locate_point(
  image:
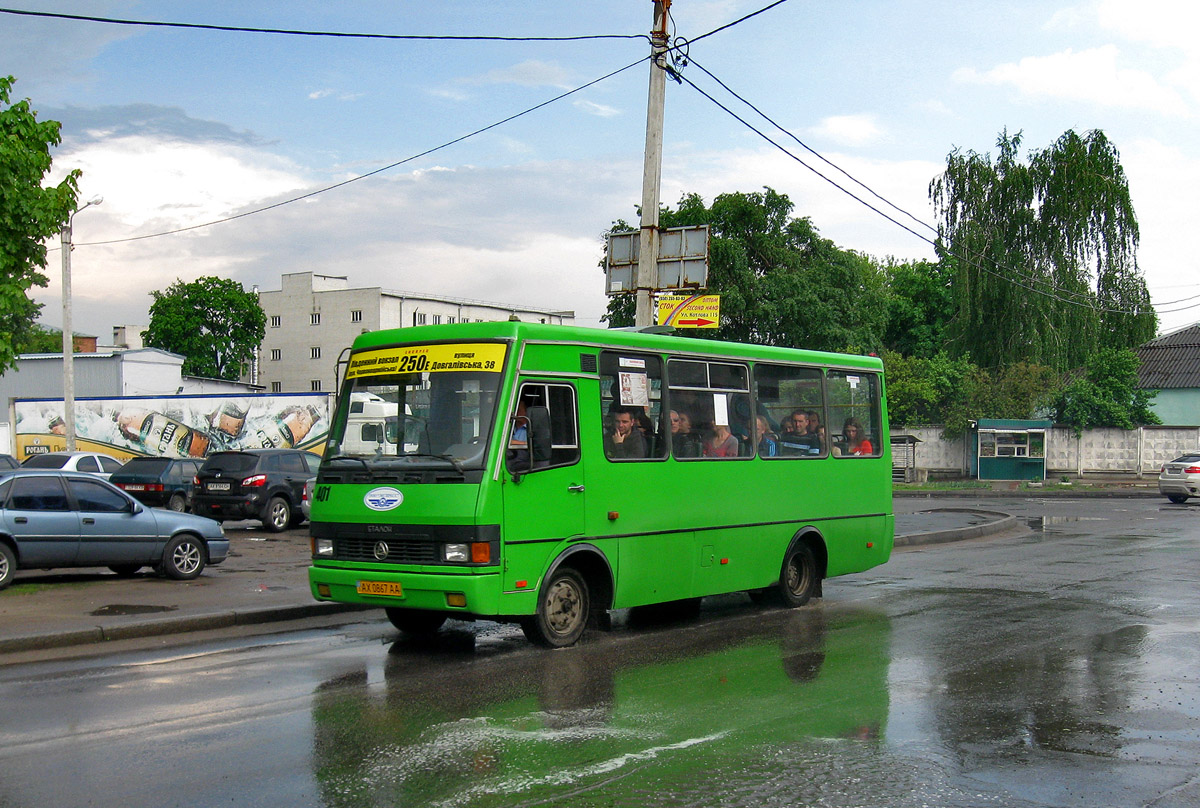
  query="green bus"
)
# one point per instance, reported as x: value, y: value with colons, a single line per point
x: 549, y: 474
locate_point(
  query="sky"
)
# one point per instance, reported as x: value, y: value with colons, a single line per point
x: 176, y: 128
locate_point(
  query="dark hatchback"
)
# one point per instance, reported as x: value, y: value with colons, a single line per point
x: 264, y: 484
x: 160, y: 482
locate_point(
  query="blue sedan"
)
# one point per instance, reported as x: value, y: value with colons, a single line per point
x: 71, y: 519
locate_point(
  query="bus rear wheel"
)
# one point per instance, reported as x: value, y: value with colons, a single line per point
x: 562, y: 611
x: 799, y: 578
x: 415, y: 621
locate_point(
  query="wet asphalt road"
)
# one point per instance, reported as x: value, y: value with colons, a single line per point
x: 1057, y: 667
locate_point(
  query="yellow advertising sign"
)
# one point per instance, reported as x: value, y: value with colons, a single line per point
x: 690, y: 311
x: 487, y: 356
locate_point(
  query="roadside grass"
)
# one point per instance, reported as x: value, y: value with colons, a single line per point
x: 19, y: 588
x: 941, y: 485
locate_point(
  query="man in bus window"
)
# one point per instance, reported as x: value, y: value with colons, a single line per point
x: 796, y: 439
x: 622, y: 440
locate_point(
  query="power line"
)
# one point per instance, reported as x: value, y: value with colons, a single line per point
x: 295, y: 32
x: 369, y: 173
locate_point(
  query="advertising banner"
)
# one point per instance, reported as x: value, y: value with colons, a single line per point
x: 175, y: 426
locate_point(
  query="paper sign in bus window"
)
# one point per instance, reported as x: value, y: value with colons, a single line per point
x: 720, y: 409
x: 635, y: 392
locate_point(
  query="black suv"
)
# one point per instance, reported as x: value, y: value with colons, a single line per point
x: 265, y: 484
x: 160, y: 482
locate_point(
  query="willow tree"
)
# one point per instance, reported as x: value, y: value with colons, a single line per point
x: 1043, y: 253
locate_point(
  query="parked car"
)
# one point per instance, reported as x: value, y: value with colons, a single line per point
x: 71, y: 519
x: 1180, y: 478
x: 306, y: 498
x: 90, y: 462
x: 160, y: 482
x: 264, y: 484
x: 7, y: 461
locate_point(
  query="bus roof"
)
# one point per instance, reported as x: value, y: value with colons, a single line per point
x: 515, y: 331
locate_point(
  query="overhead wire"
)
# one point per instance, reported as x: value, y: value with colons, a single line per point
x: 298, y: 32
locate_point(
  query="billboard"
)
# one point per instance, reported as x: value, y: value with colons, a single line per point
x: 174, y: 426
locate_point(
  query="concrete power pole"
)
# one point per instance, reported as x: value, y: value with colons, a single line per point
x: 647, y: 270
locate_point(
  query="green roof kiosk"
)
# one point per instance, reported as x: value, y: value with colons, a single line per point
x: 1009, y: 449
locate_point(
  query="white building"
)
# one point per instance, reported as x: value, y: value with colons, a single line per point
x: 313, y: 318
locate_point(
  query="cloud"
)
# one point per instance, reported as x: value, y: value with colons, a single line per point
x: 851, y: 130
x: 1092, y: 75
x: 82, y: 126
x: 530, y: 73
x: 1161, y: 23
x: 599, y: 110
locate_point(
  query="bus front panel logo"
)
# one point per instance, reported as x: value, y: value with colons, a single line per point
x: 383, y: 499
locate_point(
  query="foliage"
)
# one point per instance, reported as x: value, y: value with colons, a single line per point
x: 1107, y: 395
x: 920, y: 306
x: 29, y: 214
x: 40, y: 339
x: 953, y: 392
x: 1042, y: 254
x: 780, y: 283
x: 213, y: 322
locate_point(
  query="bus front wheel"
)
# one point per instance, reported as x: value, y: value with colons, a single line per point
x: 562, y: 611
x: 415, y: 622
x: 799, y: 579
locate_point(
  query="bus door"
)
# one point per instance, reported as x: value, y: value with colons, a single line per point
x: 544, y: 481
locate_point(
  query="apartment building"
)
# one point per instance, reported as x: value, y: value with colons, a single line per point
x: 312, y: 318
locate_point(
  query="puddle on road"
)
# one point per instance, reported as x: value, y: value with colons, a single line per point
x: 1044, y: 522
x: 130, y: 608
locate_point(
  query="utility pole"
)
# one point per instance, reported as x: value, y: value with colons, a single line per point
x: 647, y: 270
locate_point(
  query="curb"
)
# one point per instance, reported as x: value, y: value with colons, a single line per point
x: 1003, y: 521
x: 174, y: 625
x: 1026, y: 493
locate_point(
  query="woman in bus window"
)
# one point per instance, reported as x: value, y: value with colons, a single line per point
x: 767, y: 447
x: 721, y: 443
x: 856, y: 440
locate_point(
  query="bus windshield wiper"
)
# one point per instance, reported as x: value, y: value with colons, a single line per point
x: 450, y: 458
x: 348, y: 457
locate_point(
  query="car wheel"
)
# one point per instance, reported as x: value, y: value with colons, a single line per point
x: 417, y: 622
x: 125, y: 570
x: 177, y: 502
x: 184, y: 558
x: 8, y: 565
x: 278, y: 515
x: 1178, y: 499
x: 562, y: 611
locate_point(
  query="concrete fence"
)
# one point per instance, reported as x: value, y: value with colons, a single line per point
x: 1139, y: 452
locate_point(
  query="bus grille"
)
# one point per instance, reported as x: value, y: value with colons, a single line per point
x: 400, y: 551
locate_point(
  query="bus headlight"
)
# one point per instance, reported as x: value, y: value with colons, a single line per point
x: 323, y: 547
x: 460, y: 553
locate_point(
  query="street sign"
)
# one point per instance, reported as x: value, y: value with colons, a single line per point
x: 689, y: 311
x: 682, y: 259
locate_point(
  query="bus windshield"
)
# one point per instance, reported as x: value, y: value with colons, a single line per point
x: 437, y: 411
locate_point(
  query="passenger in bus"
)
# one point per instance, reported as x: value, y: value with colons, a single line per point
x: 767, y: 445
x: 721, y: 443
x: 856, y: 439
x: 683, y: 442
x: 517, y: 454
x: 621, y: 438
x: 815, y: 428
x: 796, y: 439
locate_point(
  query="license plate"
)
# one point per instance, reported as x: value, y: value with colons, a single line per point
x: 217, y: 487
x: 132, y: 487
x: 389, y: 588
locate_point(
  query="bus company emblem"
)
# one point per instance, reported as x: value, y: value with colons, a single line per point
x: 381, y: 550
x: 383, y: 499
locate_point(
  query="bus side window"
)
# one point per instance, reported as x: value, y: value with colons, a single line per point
x: 634, y: 424
x: 790, y: 397
x: 554, y: 406
x: 855, y: 413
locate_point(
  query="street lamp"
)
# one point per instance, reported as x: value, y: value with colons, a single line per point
x: 68, y: 335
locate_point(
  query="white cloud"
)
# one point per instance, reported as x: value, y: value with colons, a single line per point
x: 1092, y: 75
x: 316, y: 94
x: 851, y: 130
x: 530, y: 73
x: 599, y: 110
x: 1161, y: 23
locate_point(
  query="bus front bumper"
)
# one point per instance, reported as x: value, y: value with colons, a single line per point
x: 479, y: 593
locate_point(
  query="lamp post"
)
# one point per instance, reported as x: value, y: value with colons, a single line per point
x: 68, y: 334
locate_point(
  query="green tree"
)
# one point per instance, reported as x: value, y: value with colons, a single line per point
x: 1042, y: 253
x: 29, y: 214
x: 40, y: 339
x: 1107, y: 394
x: 920, y: 306
x: 213, y: 322
x: 780, y: 282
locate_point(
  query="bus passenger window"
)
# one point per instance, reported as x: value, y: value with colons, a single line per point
x: 791, y: 400
x: 633, y: 420
x: 712, y: 402
x: 854, y: 410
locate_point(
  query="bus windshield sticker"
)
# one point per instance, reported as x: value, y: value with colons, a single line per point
x: 720, y: 409
x: 631, y: 362
x: 634, y: 390
x: 486, y: 357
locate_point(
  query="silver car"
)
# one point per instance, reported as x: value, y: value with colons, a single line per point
x: 72, y: 519
x: 1180, y: 478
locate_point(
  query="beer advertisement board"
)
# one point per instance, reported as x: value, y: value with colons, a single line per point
x: 175, y: 426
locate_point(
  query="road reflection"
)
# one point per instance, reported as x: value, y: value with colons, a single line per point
x: 608, y: 719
